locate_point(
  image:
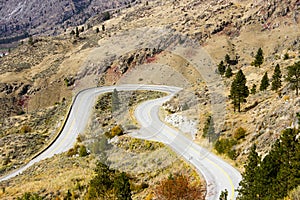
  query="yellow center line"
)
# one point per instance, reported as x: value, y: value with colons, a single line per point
x: 213, y: 163
x: 65, y: 138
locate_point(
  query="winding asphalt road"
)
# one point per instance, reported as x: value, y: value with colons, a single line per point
x: 218, y: 174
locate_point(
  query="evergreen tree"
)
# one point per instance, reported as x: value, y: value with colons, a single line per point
x: 276, y: 78
x: 227, y: 59
x: 223, y: 195
x: 264, y: 82
x: 115, y: 101
x: 228, y: 72
x: 106, y: 16
x: 101, y: 184
x: 221, y: 68
x: 248, y: 185
x: 259, y: 58
x: 76, y: 32
x: 30, y: 41
x: 287, y: 150
x: 122, y: 187
x: 253, y: 89
x: 277, y: 174
x: 97, y: 30
x: 103, y: 27
x: 293, y: 76
x: 239, y: 91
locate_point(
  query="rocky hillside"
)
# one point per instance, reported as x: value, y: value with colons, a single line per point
x: 153, y: 42
x: 23, y: 18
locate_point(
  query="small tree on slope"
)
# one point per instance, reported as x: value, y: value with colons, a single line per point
x: 239, y: 91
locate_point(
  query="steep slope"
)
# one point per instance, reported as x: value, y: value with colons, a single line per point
x: 23, y: 18
x: 137, y: 47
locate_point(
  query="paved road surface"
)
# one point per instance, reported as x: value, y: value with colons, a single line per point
x: 218, y: 174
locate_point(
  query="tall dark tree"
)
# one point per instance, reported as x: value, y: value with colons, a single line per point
x: 293, y: 76
x: 227, y: 59
x: 221, y: 68
x: 248, y: 185
x: 239, y: 91
x: 287, y: 151
x: 264, y: 84
x: 276, y: 78
x: 253, y: 89
x: 228, y: 72
x: 76, y: 32
x: 122, y: 187
x: 259, y: 58
x: 277, y: 174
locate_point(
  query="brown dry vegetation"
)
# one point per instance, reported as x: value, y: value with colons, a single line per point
x: 117, y: 55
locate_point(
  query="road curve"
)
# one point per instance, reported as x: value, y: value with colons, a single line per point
x: 218, y: 174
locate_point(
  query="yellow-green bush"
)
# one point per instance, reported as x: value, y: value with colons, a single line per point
x: 239, y: 133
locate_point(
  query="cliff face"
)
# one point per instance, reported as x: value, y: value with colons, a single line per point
x: 51, y: 17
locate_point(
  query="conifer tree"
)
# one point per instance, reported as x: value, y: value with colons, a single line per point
x: 247, y: 190
x: 276, y: 78
x: 76, y: 32
x: 264, y: 82
x: 259, y: 58
x: 293, y: 76
x: 287, y: 150
x: 228, y: 72
x: 221, y: 68
x: 253, y: 89
x: 122, y: 187
x: 277, y: 174
x: 115, y: 100
x: 227, y: 59
x: 239, y: 91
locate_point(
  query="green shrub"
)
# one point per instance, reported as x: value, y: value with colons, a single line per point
x: 224, y: 146
x: 82, y: 151
x: 239, y: 133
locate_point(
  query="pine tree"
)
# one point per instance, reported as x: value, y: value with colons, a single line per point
x: 97, y: 30
x: 276, y: 78
x: 293, y: 76
x: 221, y: 68
x: 259, y: 58
x: 228, y: 72
x: 239, y: 91
x: 115, y: 101
x: 122, y: 187
x: 76, y: 32
x: 227, y: 59
x: 248, y: 185
x: 264, y: 82
x: 287, y: 152
x: 253, y: 89
x: 101, y: 184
